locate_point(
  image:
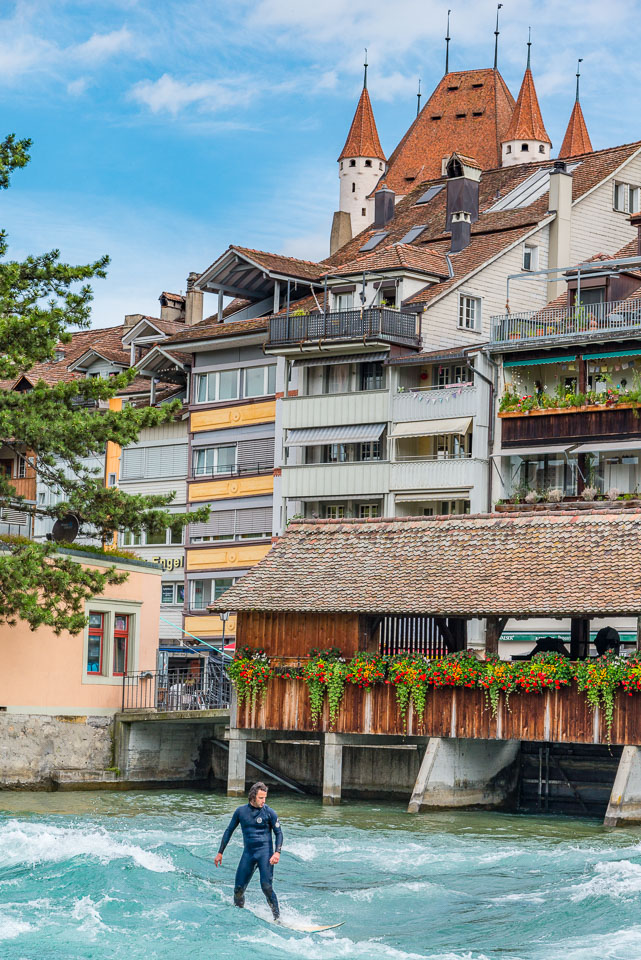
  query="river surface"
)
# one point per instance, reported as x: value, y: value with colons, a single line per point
x: 103, y: 876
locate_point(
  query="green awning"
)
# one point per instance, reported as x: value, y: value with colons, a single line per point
x: 616, y: 353
x: 535, y: 363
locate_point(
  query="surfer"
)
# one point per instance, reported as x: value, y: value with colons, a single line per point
x: 257, y: 821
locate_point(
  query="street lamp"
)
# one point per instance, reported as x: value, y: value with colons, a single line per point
x: 224, y: 616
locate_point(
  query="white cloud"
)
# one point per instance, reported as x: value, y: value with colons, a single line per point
x: 102, y: 46
x: 167, y: 95
x: 77, y: 87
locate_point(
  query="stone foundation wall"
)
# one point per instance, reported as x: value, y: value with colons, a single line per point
x: 35, y: 748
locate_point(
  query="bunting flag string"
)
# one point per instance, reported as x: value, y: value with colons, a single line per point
x: 423, y: 398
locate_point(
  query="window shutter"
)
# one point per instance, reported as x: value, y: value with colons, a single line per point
x: 220, y: 524
x: 257, y: 520
x: 166, y: 461
x: 255, y: 455
x: 132, y: 462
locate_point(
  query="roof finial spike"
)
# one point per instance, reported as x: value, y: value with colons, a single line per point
x: 418, y: 98
x: 496, y: 38
x: 365, y: 75
x: 529, y: 46
x: 447, y: 44
x: 578, y: 76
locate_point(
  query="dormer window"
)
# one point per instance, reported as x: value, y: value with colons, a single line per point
x: 541, y: 148
x: 58, y: 356
x: 368, y: 163
x: 352, y: 163
x: 524, y: 147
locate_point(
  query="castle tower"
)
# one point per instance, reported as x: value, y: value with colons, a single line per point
x: 361, y: 164
x: 576, y: 139
x: 526, y: 139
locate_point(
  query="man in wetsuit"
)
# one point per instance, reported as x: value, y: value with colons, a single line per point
x: 257, y: 821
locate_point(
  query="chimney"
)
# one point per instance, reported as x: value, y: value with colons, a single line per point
x: 635, y: 221
x: 172, y: 307
x: 193, y: 301
x: 560, y: 202
x: 461, y: 230
x: 131, y: 319
x: 384, y: 203
x: 463, y: 179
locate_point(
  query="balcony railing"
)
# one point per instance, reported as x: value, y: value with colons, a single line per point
x: 616, y: 316
x: 376, y: 322
x: 169, y: 691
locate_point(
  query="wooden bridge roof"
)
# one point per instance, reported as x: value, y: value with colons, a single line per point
x: 581, y: 563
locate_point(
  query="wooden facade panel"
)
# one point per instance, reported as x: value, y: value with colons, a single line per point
x: 226, y: 558
x: 222, y: 418
x: 587, y: 424
x: 293, y: 635
x: 562, y: 716
x: 230, y: 488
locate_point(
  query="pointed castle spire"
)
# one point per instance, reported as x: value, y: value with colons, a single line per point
x: 526, y: 131
x: 362, y: 139
x: 576, y: 139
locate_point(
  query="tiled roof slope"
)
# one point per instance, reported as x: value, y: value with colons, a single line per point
x: 206, y: 331
x: 291, y: 266
x: 527, y: 122
x: 576, y: 139
x: 396, y: 256
x: 469, y: 112
x: 464, y: 566
x: 362, y: 139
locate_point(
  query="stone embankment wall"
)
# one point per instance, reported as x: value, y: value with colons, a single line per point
x: 34, y: 748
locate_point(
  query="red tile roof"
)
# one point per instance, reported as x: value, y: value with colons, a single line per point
x: 469, y: 112
x: 179, y: 298
x: 362, y: 139
x: 277, y: 263
x: 398, y: 255
x: 206, y: 331
x: 527, y: 122
x: 576, y: 139
x: 475, y: 566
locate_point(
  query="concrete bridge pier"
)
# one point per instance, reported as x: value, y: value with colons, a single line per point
x: 460, y: 772
x: 237, y: 767
x: 332, y: 769
x: 625, y: 800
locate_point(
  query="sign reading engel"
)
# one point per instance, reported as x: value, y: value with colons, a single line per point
x: 169, y: 563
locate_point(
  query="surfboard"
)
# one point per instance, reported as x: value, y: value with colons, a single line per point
x: 310, y: 928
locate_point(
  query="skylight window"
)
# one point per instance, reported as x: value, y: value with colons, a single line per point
x: 531, y: 189
x: 413, y: 233
x: 374, y: 240
x: 430, y: 193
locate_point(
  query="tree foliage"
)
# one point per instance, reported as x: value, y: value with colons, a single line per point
x: 61, y: 427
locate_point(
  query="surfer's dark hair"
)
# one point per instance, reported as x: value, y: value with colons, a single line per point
x: 254, y: 790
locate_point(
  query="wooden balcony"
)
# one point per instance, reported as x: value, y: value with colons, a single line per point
x: 376, y: 324
x: 622, y: 421
x: 25, y: 487
x: 560, y: 716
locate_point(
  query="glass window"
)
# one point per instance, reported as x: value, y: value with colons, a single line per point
x: 200, y: 594
x: 635, y: 199
x: 221, y: 585
x: 344, y: 301
x: 369, y: 510
x: 180, y: 593
x: 371, y: 451
x: 260, y: 381
x: 336, y: 453
x: 592, y: 295
x: 530, y: 257
x: 215, y: 460
x: 176, y: 535
x: 21, y: 467
x: 469, y: 313
x: 221, y: 385
x: 131, y: 539
x: 159, y: 537
x: 121, y: 643
x: 371, y: 376
x: 167, y: 593
x: 336, y: 378
x: 335, y: 511
x: 96, y: 642
x: 620, y: 196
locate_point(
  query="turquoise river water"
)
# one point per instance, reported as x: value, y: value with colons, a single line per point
x: 130, y: 875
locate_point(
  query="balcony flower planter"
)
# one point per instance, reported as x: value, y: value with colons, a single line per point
x: 570, y: 503
x: 586, y: 408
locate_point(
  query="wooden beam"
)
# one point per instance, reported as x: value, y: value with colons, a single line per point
x: 446, y: 634
x: 494, y: 627
x: 579, y: 638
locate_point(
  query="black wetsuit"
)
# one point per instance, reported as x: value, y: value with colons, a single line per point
x: 257, y: 824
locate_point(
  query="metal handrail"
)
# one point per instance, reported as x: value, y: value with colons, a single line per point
x: 180, y: 688
x: 614, y: 315
x: 345, y: 325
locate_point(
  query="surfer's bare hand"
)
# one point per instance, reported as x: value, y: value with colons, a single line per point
x: 275, y: 857
x: 218, y: 859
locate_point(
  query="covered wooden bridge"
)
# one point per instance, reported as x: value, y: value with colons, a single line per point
x: 337, y: 583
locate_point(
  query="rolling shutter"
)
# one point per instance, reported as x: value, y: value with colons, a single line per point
x: 220, y: 524
x: 133, y: 459
x: 166, y: 461
x: 257, y: 520
x: 255, y: 456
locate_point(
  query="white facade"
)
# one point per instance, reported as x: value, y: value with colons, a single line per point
x: 358, y: 177
x: 514, y: 152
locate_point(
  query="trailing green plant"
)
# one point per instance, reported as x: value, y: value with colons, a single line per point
x: 498, y: 676
x: 408, y: 673
x: 250, y: 671
x: 325, y: 673
x: 599, y: 679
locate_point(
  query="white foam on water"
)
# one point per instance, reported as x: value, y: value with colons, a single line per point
x: 524, y: 897
x: 622, y: 944
x: 332, y: 945
x: 34, y: 843
x: 614, y: 878
x: 10, y: 928
x: 86, y: 910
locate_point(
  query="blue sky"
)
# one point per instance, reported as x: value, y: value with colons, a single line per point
x: 163, y: 131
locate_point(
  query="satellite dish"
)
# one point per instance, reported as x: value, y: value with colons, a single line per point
x: 66, y: 529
